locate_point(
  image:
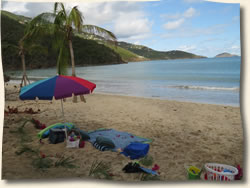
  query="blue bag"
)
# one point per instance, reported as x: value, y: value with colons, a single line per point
x: 136, y: 150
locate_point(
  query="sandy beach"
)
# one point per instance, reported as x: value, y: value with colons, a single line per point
x: 183, y: 134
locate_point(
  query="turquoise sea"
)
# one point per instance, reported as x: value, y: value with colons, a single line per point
x: 208, y: 80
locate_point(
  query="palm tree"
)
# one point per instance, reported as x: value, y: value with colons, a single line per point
x: 66, y: 24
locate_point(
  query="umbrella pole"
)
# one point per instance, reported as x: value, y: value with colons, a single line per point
x: 62, y: 109
x: 64, y: 120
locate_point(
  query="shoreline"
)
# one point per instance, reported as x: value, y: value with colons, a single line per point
x: 152, y: 97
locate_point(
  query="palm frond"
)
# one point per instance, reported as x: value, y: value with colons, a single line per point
x: 59, y: 7
x: 75, y: 18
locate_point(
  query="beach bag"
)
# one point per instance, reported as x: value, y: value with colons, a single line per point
x: 136, y: 150
x: 56, y: 136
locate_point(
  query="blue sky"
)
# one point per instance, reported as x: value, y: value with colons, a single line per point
x: 196, y: 26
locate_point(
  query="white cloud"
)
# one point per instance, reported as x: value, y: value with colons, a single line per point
x: 186, y: 47
x: 189, y: 13
x: 27, y: 9
x: 178, y: 19
x: 235, y: 47
x: 196, y: 32
x: 11, y: 7
x: 125, y: 19
x: 174, y: 24
x: 128, y: 25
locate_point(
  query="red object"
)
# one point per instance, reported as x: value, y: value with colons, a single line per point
x: 82, y: 144
x: 240, y: 173
x: 156, y: 167
x: 42, y: 155
x: 205, y: 176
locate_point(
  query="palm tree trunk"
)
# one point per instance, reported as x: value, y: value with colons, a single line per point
x: 24, y: 79
x: 72, y: 57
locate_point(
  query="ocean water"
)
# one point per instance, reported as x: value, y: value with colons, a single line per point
x: 208, y: 80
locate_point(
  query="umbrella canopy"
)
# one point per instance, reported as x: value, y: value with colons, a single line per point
x: 58, y: 86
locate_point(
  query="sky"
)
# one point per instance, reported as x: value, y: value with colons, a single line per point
x: 196, y: 26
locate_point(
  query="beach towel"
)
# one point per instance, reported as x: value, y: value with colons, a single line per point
x: 45, y: 132
x: 120, y: 139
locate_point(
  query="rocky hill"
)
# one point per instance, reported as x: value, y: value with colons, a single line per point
x: 225, y: 54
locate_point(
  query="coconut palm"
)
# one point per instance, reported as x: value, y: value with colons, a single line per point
x: 62, y: 24
x: 65, y: 23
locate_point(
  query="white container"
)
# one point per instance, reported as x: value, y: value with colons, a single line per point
x: 73, y: 144
x: 217, y: 172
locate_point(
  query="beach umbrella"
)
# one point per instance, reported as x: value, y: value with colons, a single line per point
x: 57, y: 87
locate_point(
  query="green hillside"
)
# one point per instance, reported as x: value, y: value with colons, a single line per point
x: 126, y: 54
x: 21, y: 19
x: 87, y: 52
x: 156, y: 55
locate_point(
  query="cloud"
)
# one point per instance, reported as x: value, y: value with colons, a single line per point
x: 189, y: 12
x: 186, y: 47
x: 174, y: 24
x: 127, y: 27
x: 196, y: 32
x: 125, y: 19
x: 12, y: 7
x: 235, y: 47
x: 178, y: 19
x: 27, y: 9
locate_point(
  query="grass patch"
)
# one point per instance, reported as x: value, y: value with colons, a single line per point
x: 42, y: 163
x: 25, y: 149
x: 100, y: 170
x: 65, y: 162
x: 22, y: 133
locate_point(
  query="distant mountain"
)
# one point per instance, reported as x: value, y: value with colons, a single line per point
x: 225, y: 54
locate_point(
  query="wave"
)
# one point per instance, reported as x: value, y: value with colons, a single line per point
x: 205, y: 88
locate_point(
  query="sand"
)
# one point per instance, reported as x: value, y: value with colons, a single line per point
x: 183, y: 134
